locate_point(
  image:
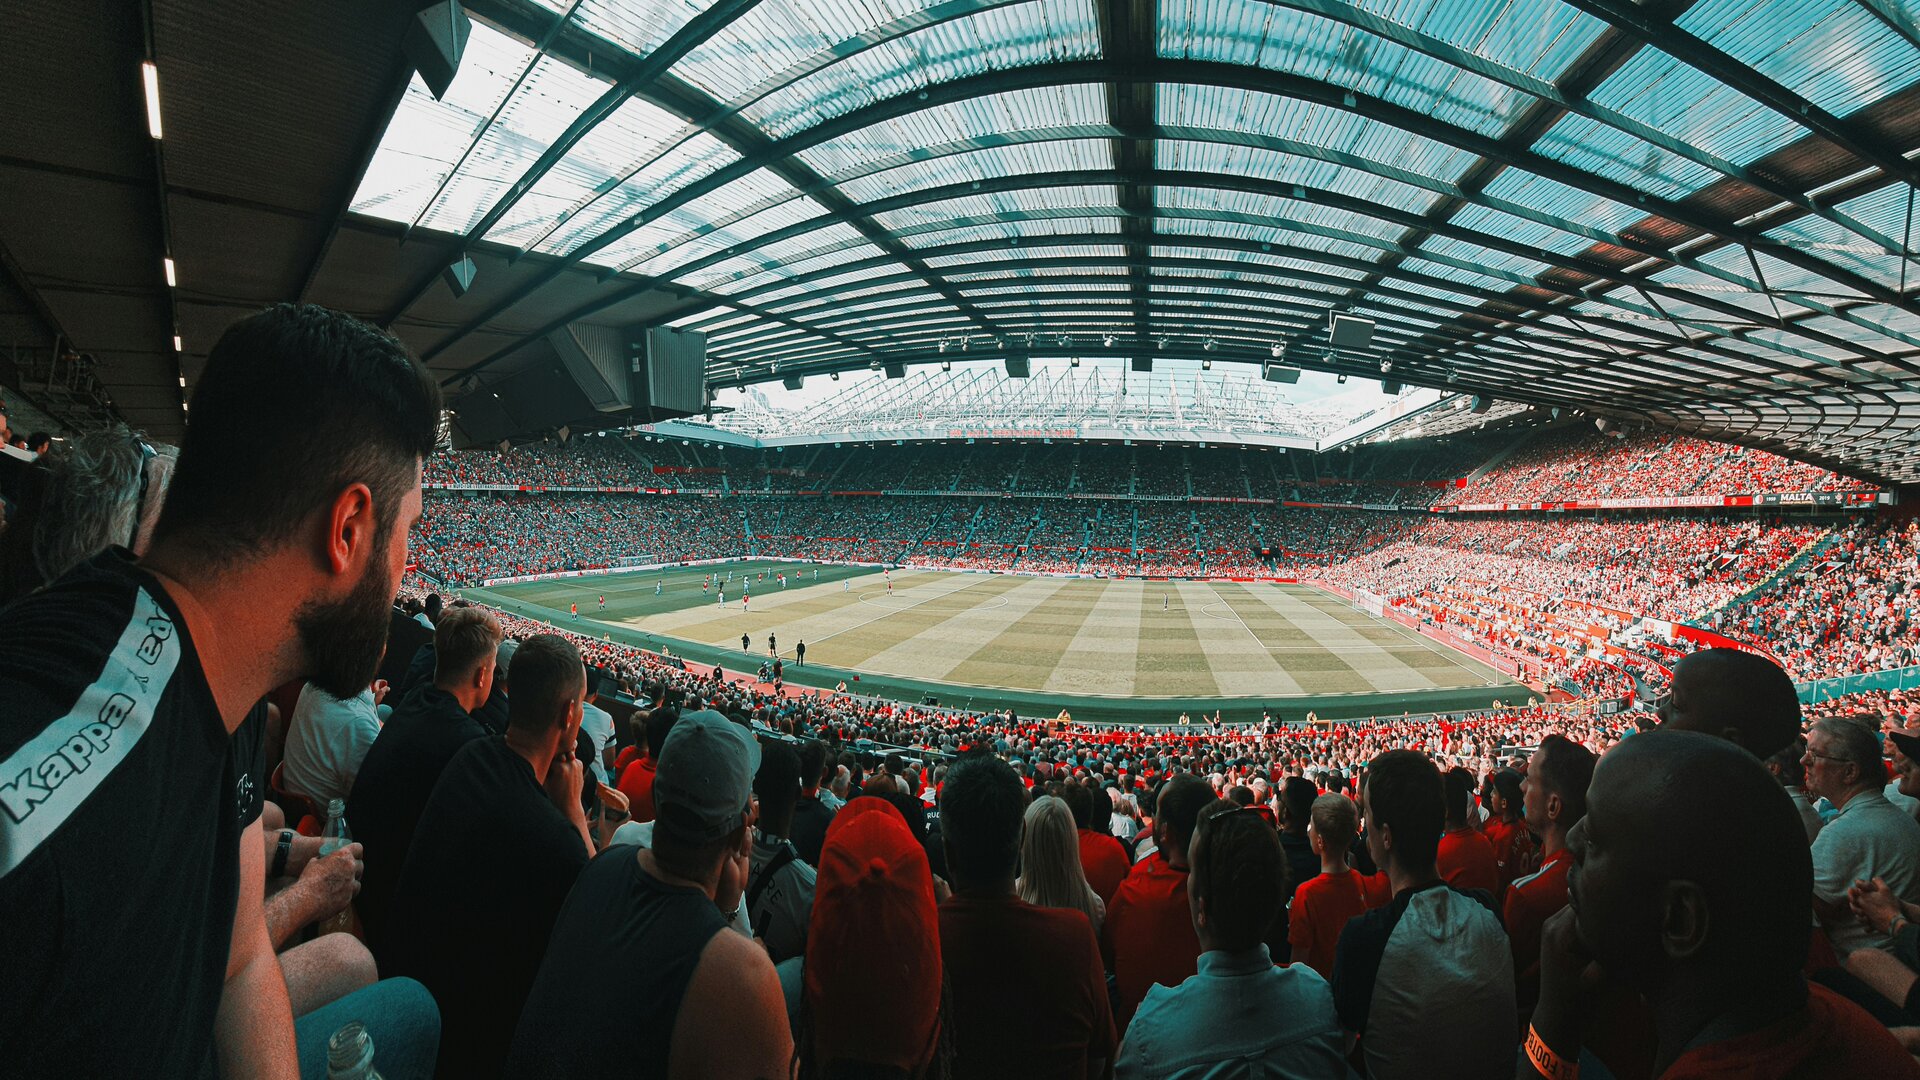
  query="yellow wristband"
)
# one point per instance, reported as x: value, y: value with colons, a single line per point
x: 1546, y: 1062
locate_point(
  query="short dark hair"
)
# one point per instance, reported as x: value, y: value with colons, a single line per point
x: 1506, y: 783
x: 1296, y: 797
x: 294, y: 404
x: 1405, y: 795
x: 1566, y: 768
x: 813, y: 763
x: 1238, y: 868
x: 659, y: 722
x: 1181, y: 801
x: 462, y: 638
x: 1240, y: 795
x: 1459, y: 794
x: 1790, y: 762
x: 981, y: 808
x: 777, y: 782
x: 1080, y: 801
x: 545, y: 675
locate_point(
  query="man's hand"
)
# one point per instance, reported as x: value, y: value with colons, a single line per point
x: 332, y: 881
x: 564, y: 779
x: 380, y: 690
x: 1874, y: 903
x: 1569, y: 981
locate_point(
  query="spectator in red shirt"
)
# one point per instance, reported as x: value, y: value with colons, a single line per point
x: 1102, y: 855
x: 1149, y: 935
x: 1029, y: 996
x: 1322, y: 905
x: 1513, y: 846
x: 1735, y: 695
x: 1555, y: 799
x: 1466, y: 855
x: 1710, y: 924
x: 636, y: 780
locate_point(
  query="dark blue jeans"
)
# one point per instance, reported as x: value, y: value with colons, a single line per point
x: 400, y: 1016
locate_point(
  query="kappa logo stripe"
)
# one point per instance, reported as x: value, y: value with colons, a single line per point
x: 53, y: 774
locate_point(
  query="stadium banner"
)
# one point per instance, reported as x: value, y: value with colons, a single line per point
x: 567, y: 489
x: 1845, y: 499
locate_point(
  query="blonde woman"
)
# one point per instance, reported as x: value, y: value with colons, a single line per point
x: 1050, y: 873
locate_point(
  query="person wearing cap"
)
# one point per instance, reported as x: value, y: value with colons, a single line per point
x: 498, y: 846
x: 780, y: 886
x: 1240, y: 1014
x: 639, y: 977
x: 1709, y: 924
x: 1902, y: 746
x: 875, y: 898
x: 1868, y: 839
x: 1789, y: 766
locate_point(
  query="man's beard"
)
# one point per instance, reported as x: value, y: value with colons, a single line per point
x: 345, y: 639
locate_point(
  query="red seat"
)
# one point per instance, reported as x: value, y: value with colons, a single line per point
x: 298, y: 808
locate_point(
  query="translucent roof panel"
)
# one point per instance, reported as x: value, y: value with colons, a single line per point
x: 1004, y: 230
x: 1883, y: 211
x: 684, y: 163
x: 774, y: 35
x: 1560, y: 203
x: 1248, y: 258
x: 1059, y: 199
x: 1604, y: 151
x: 1275, y: 210
x: 638, y: 26
x: 637, y: 129
x: 1835, y: 53
x: 1539, y: 37
x: 1263, y: 234
x: 974, y: 118
x: 1280, y: 38
x: 551, y: 97
x: 1661, y: 92
x: 1182, y: 155
x: 746, y: 195
x: 1367, y: 143
x: 1018, y: 159
x: 998, y: 39
x: 1036, y: 252
x: 426, y: 137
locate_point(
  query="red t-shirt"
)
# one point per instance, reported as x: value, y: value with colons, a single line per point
x: 1105, y: 861
x: 1467, y: 862
x: 1832, y: 1039
x: 1511, y: 842
x: 1321, y: 908
x: 1530, y: 903
x: 1377, y: 890
x: 1148, y: 937
x: 1029, y: 995
x: 636, y: 783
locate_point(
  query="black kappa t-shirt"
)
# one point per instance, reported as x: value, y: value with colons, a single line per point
x: 122, y: 804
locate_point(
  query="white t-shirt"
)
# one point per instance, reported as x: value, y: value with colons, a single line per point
x: 598, y: 724
x: 326, y: 742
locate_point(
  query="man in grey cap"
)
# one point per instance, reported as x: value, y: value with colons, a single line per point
x: 639, y: 947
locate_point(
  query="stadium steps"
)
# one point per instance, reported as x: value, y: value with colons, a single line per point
x: 1073, y: 472
x: 1787, y: 569
x: 1512, y: 448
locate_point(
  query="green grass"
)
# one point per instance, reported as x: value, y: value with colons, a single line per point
x: 1112, y: 650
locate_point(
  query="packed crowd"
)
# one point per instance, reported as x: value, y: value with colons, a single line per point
x: 1856, y: 608
x: 467, y: 539
x: 536, y: 889
x: 1578, y: 462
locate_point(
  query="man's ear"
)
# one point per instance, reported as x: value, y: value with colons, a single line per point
x: 350, y: 528
x: 1685, y: 919
x: 1555, y: 807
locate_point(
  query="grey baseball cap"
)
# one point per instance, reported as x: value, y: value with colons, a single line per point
x: 705, y: 778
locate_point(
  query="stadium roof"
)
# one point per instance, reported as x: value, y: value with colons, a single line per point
x: 1696, y: 214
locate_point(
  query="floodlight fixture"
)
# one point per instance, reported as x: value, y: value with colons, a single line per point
x: 150, y: 79
x: 173, y: 277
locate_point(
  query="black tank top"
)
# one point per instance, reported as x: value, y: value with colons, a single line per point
x: 617, y: 967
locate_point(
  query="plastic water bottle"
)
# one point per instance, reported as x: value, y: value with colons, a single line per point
x: 350, y: 1052
x: 333, y: 839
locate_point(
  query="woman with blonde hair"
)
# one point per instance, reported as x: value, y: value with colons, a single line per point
x: 1050, y: 872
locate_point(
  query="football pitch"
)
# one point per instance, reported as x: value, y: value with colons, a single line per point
x: 1035, y: 639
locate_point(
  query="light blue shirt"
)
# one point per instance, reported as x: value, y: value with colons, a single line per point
x: 1239, y: 1017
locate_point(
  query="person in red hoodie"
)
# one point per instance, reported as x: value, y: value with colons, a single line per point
x: 1555, y: 797
x: 1466, y: 856
x: 1709, y: 924
x: 1148, y: 937
x: 1323, y: 905
x: 1102, y: 856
